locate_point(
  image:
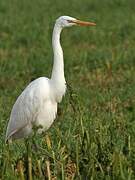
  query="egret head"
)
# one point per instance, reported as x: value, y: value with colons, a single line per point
x: 67, y: 21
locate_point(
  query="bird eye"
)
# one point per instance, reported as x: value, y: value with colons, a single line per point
x: 70, y: 21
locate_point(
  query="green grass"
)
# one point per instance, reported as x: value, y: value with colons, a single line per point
x: 93, y: 136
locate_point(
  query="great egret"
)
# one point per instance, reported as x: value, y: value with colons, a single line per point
x: 37, y: 104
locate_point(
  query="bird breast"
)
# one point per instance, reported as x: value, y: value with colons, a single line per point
x: 59, y: 91
x: 46, y: 115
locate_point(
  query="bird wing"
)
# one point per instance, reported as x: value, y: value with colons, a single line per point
x: 27, y: 105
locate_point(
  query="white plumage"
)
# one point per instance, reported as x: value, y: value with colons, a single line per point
x: 37, y: 104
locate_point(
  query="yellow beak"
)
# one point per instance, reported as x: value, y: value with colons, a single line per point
x: 83, y: 23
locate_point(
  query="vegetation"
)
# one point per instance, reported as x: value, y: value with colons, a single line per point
x: 93, y: 136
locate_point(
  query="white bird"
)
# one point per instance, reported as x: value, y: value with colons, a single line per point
x: 37, y: 104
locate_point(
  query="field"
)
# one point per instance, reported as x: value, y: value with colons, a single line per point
x: 93, y: 136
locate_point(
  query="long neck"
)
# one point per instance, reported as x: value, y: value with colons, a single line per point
x: 58, y: 64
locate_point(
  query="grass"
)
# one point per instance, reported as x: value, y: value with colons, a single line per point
x: 93, y: 135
